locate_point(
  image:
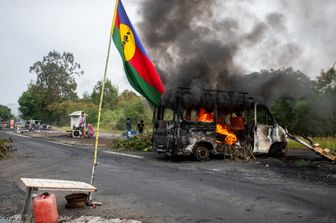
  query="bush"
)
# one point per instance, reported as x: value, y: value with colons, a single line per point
x: 5, y: 146
x: 135, y: 143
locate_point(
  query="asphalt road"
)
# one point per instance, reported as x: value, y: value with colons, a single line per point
x: 153, y: 189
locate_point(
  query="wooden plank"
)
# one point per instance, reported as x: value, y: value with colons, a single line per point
x: 324, y: 152
x: 51, y: 184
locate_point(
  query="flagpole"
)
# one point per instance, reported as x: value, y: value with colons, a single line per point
x: 101, y: 103
x: 98, y: 119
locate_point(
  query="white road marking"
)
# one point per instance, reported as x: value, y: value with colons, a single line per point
x: 15, y: 134
x: 58, y: 143
x: 125, y: 154
x: 42, y: 140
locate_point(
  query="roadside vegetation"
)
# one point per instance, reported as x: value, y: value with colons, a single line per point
x: 6, y: 144
x: 51, y: 96
x: 324, y: 142
x: 135, y: 143
x: 5, y: 113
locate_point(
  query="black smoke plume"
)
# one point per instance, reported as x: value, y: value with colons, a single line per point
x: 194, y: 43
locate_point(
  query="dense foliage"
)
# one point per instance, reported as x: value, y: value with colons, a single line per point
x: 109, y: 97
x: 55, y: 82
x: 61, y: 111
x: 302, y: 105
x: 6, y: 144
x: 5, y: 113
x: 129, y: 105
x: 52, y: 97
x: 311, y: 111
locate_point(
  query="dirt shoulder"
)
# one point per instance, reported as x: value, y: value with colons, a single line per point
x: 303, y: 165
x: 65, y: 137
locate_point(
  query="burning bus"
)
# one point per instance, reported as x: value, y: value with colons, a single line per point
x: 219, y: 123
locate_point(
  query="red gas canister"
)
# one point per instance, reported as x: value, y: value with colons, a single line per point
x: 45, y: 208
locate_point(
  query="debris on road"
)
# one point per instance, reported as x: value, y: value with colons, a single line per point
x: 76, y: 200
x: 315, y: 147
x: 81, y: 219
x: 95, y: 219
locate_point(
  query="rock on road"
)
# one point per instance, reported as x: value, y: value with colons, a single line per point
x: 153, y: 189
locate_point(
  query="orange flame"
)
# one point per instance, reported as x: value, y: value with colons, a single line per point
x: 224, y: 130
x: 204, y: 116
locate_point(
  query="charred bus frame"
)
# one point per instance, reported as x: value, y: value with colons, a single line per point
x: 185, y: 134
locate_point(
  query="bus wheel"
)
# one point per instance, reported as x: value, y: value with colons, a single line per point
x: 277, y: 150
x: 202, y: 153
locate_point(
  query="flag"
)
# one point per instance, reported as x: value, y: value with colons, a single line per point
x: 138, y: 67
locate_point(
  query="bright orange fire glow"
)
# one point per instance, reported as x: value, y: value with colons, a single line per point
x: 224, y: 130
x: 204, y: 116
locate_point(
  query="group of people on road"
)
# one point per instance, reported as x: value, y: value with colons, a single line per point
x: 140, y: 126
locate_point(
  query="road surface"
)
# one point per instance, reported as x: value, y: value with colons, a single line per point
x: 153, y: 189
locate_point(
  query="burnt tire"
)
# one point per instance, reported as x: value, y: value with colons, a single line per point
x: 277, y: 150
x: 202, y: 153
x: 75, y: 134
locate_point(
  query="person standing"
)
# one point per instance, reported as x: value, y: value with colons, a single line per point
x: 140, y: 127
x: 82, y: 123
x: 128, y: 127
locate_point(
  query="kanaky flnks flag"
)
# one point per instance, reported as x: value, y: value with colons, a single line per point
x: 138, y: 67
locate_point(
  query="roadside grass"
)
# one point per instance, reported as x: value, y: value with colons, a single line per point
x: 325, y: 142
x: 6, y: 144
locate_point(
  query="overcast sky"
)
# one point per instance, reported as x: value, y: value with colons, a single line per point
x: 32, y: 28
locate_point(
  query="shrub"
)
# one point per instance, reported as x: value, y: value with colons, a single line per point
x: 5, y: 146
x: 135, y: 143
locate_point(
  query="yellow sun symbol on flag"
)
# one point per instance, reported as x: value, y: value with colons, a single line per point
x: 128, y: 41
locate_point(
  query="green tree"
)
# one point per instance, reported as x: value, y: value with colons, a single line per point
x: 86, y: 97
x: 5, y: 113
x: 326, y: 82
x: 303, y: 121
x: 282, y: 110
x: 325, y: 103
x: 296, y: 115
x: 110, y: 94
x: 134, y: 107
x: 61, y: 110
x: 55, y: 81
x: 27, y: 105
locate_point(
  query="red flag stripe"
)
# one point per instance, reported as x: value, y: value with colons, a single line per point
x: 146, y: 70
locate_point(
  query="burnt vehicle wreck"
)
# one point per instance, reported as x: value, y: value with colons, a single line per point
x: 220, y: 123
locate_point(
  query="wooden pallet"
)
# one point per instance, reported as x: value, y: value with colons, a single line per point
x: 327, y: 153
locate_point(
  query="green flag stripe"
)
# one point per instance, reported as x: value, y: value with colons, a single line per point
x: 140, y: 85
x: 137, y: 82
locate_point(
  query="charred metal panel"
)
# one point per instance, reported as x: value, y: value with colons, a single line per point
x: 266, y: 135
x: 262, y: 139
